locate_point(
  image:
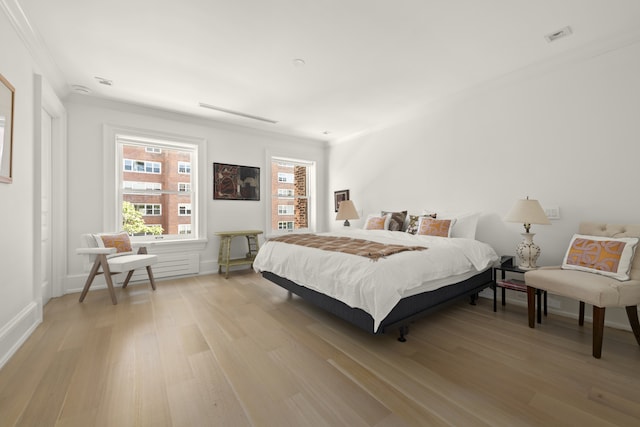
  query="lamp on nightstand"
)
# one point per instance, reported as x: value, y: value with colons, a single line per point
x: 347, y: 211
x: 527, y: 211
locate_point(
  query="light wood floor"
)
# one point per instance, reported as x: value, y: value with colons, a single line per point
x: 206, y: 351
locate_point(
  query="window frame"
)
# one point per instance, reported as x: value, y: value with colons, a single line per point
x: 312, y: 196
x: 112, y: 182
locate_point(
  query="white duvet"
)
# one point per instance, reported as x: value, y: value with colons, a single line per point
x: 376, y: 286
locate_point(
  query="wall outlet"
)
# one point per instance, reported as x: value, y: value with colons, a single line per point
x: 552, y: 212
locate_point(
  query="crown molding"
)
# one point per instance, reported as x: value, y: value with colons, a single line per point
x: 35, y: 45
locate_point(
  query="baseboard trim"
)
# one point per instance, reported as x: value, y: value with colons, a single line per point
x: 16, y: 332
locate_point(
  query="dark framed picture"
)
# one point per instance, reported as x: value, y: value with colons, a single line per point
x: 340, y: 196
x: 7, y: 95
x: 235, y: 182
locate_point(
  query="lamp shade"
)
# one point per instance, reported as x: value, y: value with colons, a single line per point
x: 527, y: 211
x: 347, y: 211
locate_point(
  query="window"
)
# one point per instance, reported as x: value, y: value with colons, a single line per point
x: 291, y: 179
x: 141, y: 166
x: 184, y: 167
x: 285, y: 225
x: 148, y: 209
x: 184, y: 209
x: 136, y: 185
x: 285, y: 209
x: 285, y: 192
x: 147, y: 168
x: 285, y: 178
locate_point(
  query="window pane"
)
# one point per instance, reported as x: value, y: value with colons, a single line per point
x: 290, y: 195
x: 156, y: 195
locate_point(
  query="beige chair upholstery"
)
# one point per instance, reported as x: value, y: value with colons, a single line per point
x: 114, y: 263
x: 595, y: 289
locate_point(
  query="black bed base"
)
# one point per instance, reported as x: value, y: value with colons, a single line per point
x: 406, y: 311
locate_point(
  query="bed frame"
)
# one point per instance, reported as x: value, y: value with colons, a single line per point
x: 406, y: 311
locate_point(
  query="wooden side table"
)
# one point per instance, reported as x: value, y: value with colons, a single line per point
x: 224, y: 253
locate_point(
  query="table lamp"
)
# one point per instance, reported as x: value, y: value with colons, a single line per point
x: 347, y: 211
x: 527, y: 211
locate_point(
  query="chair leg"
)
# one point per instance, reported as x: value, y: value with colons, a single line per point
x: 581, y: 315
x: 92, y: 275
x: 632, y: 314
x: 598, y: 329
x: 531, y: 306
x: 150, y: 273
x: 107, y: 278
x: 126, y: 280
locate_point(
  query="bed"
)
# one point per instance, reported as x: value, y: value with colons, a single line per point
x: 383, y: 294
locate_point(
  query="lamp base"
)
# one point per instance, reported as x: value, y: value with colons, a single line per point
x: 528, y: 252
x: 346, y: 223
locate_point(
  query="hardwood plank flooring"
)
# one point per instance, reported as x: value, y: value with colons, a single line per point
x: 205, y: 351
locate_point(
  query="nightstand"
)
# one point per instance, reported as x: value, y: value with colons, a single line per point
x: 507, y: 264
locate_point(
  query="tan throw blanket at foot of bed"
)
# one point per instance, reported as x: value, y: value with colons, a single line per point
x: 365, y: 248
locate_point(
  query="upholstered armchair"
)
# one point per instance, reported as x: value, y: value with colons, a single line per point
x: 600, y: 269
x: 114, y: 253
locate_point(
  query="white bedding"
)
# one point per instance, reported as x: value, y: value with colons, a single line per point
x: 377, y: 286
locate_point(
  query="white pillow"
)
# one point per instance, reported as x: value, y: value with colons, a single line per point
x: 609, y: 256
x: 377, y: 222
x: 465, y: 224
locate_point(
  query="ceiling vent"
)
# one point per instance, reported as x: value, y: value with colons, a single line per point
x: 563, y: 32
x: 237, y: 113
x: 81, y: 89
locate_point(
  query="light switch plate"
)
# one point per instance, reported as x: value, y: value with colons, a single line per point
x: 552, y: 212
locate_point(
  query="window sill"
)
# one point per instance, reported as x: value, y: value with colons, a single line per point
x: 179, y: 245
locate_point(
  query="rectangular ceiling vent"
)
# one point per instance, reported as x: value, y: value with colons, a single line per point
x: 563, y: 32
x: 237, y: 113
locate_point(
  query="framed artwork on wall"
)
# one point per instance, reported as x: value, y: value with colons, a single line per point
x: 234, y: 182
x: 7, y: 95
x: 340, y: 196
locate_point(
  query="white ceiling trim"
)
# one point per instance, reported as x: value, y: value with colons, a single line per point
x: 35, y: 46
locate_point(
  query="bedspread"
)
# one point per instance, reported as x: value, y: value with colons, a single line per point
x: 375, y: 287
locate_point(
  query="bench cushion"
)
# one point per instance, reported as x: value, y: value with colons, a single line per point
x: 591, y: 288
x: 119, y: 264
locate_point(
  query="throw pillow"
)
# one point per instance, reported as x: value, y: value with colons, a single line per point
x: 396, y: 223
x: 120, y: 241
x: 435, y: 227
x: 608, y: 256
x: 376, y: 222
x: 414, y: 220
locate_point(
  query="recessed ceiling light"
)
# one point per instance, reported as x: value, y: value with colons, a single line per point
x: 326, y: 132
x: 104, y: 81
x: 562, y: 32
x: 298, y: 62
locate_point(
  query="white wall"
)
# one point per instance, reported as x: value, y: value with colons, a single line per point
x: 225, y: 144
x: 19, y: 310
x: 563, y: 133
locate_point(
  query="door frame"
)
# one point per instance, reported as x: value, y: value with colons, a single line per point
x: 46, y: 99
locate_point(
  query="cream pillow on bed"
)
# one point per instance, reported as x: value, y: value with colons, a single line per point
x: 609, y: 256
x: 377, y: 222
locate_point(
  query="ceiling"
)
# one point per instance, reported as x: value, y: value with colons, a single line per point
x: 366, y: 62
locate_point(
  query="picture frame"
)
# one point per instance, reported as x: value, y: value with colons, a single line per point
x: 7, y: 101
x: 340, y: 196
x: 235, y: 182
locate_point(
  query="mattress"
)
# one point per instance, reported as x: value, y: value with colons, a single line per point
x: 377, y: 286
